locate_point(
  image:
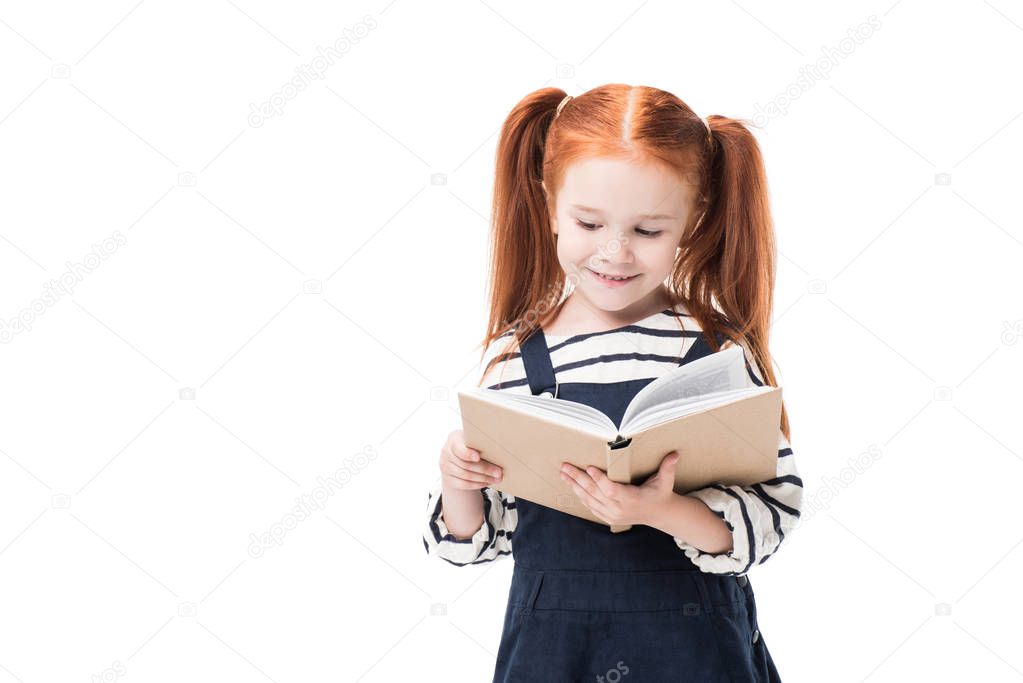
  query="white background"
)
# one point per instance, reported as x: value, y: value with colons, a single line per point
x: 322, y: 297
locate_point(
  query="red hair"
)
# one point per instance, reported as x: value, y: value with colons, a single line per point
x: 724, y: 273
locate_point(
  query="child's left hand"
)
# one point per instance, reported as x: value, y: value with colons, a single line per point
x: 617, y: 503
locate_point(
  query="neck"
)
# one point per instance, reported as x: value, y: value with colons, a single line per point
x: 579, y: 314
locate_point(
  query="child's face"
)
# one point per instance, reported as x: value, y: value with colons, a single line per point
x: 617, y: 195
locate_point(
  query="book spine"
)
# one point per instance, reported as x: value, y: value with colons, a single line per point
x: 619, y: 468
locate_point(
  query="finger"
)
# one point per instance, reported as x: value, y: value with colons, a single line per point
x: 488, y: 472
x: 466, y: 453
x: 470, y: 480
x: 482, y: 467
x: 594, y: 505
x: 476, y: 465
x: 492, y: 469
x: 609, y: 488
x: 668, y: 465
x: 584, y: 487
x: 471, y: 475
x: 588, y: 499
x: 576, y: 475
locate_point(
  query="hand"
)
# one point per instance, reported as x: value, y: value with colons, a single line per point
x: 620, y: 504
x: 462, y: 468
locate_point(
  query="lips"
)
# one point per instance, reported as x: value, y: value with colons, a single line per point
x: 614, y: 276
x: 611, y: 279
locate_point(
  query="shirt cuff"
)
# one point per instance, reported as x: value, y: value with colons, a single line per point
x: 741, y: 517
x: 439, y: 540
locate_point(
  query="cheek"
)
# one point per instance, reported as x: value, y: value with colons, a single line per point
x: 574, y: 245
x: 658, y: 257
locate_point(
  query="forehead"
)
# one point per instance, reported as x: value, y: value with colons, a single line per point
x: 617, y: 187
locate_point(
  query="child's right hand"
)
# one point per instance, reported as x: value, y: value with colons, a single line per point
x: 462, y: 468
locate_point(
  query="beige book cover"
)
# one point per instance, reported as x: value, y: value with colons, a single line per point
x: 727, y: 436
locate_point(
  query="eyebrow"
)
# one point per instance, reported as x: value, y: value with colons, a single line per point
x: 645, y: 216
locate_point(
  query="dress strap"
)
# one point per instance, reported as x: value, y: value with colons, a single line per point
x: 536, y: 358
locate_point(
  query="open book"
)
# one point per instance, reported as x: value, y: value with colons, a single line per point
x: 724, y: 427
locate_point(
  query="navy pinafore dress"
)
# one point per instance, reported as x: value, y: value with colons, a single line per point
x: 586, y: 604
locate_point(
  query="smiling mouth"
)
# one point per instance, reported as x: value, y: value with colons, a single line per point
x: 613, y: 278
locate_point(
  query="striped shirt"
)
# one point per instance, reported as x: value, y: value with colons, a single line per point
x: 759, y: 516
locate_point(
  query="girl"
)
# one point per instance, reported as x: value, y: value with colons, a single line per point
x: 630, y: 237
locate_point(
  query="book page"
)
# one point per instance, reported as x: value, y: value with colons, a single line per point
x: 721, y: 371
x: 653, y: 416
x: 560, y: 411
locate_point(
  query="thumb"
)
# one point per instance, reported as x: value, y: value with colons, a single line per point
x: 668, y: 463
x: 666, y: 472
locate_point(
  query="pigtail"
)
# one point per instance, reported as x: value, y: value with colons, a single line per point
x: 526, y: 282
x: 729, y: 264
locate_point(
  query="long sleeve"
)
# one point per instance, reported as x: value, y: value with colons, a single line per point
x: 760, y: 516
x: 491, y: 542
x: 493, y: 539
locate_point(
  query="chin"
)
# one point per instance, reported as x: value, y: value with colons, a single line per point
x: 611, y: 300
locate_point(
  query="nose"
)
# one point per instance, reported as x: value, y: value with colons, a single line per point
x: 616, y: 249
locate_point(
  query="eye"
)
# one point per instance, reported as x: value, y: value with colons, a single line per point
x: 593, y: 226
